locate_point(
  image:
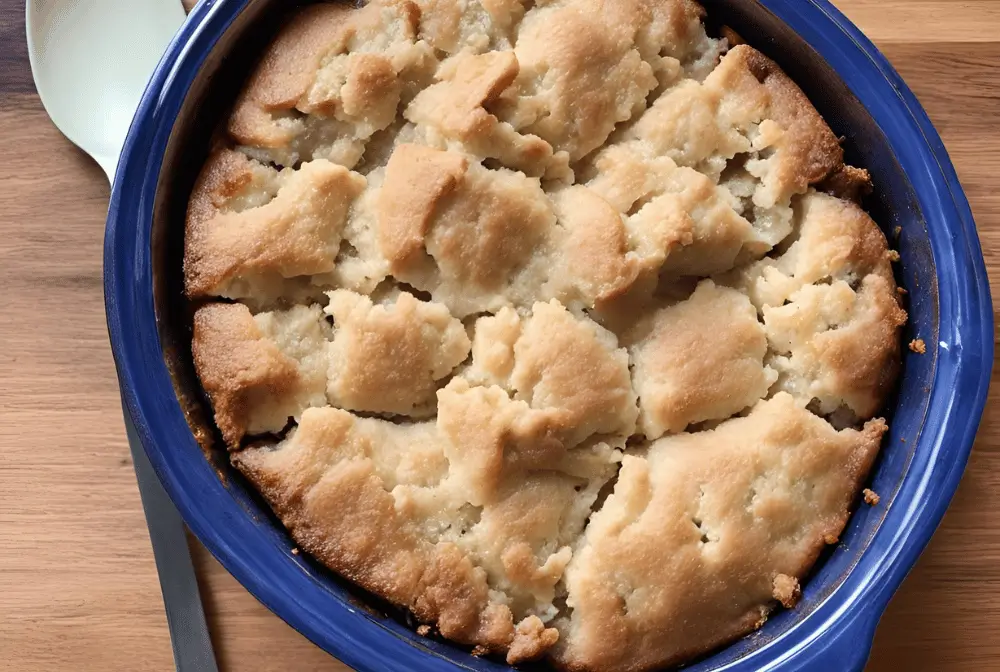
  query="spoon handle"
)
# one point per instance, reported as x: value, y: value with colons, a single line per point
x: 189, y: 635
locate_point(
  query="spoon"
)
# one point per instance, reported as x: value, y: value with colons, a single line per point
x: 91, y: 60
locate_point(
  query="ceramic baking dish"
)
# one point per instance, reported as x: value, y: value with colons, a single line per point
x: 933, y: 416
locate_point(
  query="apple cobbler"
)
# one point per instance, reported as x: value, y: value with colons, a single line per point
x: 551, y: 321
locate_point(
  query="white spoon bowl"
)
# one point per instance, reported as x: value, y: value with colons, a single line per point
x: 91, y: 60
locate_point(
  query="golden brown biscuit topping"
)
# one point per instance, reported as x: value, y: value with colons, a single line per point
x: 555, y: 322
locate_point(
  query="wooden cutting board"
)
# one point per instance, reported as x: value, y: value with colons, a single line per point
x: 78, y: 588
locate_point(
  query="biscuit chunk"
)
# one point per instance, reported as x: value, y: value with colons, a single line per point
x: 837, y: 345
x: 595, y: 259
x: 574, y: 366
x: 727, y: 375
x: 830, y: 308
x: 388, y: 359
x: 453, y: 114
x: 539, y: 360
x: 259, y: 371
x: 250, y: 227
x: 587, y: 65
x: 465, y: 234
x: 330, y: 80
x: 836, y: 240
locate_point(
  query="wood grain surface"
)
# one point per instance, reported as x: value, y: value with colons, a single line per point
x: 78, y: 587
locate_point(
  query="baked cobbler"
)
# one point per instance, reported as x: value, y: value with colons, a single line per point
x: 554, y: 322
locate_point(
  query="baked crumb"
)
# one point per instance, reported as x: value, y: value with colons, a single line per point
x: 871, y: 497
x: 531, y: 640
x: 918, y: 346
x: 460, y: 265
x: 897, y: 231
x: 787, y: 590
x: 761, y: 620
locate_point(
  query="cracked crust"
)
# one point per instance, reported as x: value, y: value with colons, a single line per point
x: 830, y: 308
x: 589, y: 65
x: 453, y: 114
x: 325, y: 487
x: 238, y: 241
x: 331, y: 79
x: 258, y: 372
x: 676, y: 389
x: 727, y: 502
x: 556, y: 323
x: 468, y: 235
x: 389, y: 359
x: 808, y: 149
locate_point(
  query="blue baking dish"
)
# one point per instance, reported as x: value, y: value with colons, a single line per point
x: 933, y: 417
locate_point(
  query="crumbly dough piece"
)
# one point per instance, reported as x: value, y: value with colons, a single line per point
x: 492, y: 436
x: 473, y: 26
x: 681, y: 222
x: 486, y: 430
x: 689, y: 226
x: 259, y: 371
x: 467, y: 235
x: 597, y: 257
x: 791, y: 146
x: 493, y: 342
x: 838, y: 346
x: 359, y: 266
x: 587, y: 65
x: 524, y: 537
x: 250, y: 227
x: 577, y: 79
x: 700, y: 359
x: 836, y: 240
x: 830, y: 308
x: 572, y: 365
x: 683, y: 555
x: 333, y: 77
x: 745, y: 108
x: 389, y: 358
x: 452, y: 114
x: 787, y: 590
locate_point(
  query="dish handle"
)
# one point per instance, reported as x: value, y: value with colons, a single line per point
x: 842, y: 645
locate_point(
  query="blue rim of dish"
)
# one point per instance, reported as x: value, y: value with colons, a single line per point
x: 835, y: 636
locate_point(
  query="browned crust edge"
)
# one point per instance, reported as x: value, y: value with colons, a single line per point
x: 816, y: 150
x: 444, y: 596
x: 224, y: 174
x: 234, y: 361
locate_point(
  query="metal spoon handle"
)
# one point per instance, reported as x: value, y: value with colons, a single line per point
x: 189, y: 635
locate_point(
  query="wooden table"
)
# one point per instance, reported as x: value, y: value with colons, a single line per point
x: 78, y: 587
